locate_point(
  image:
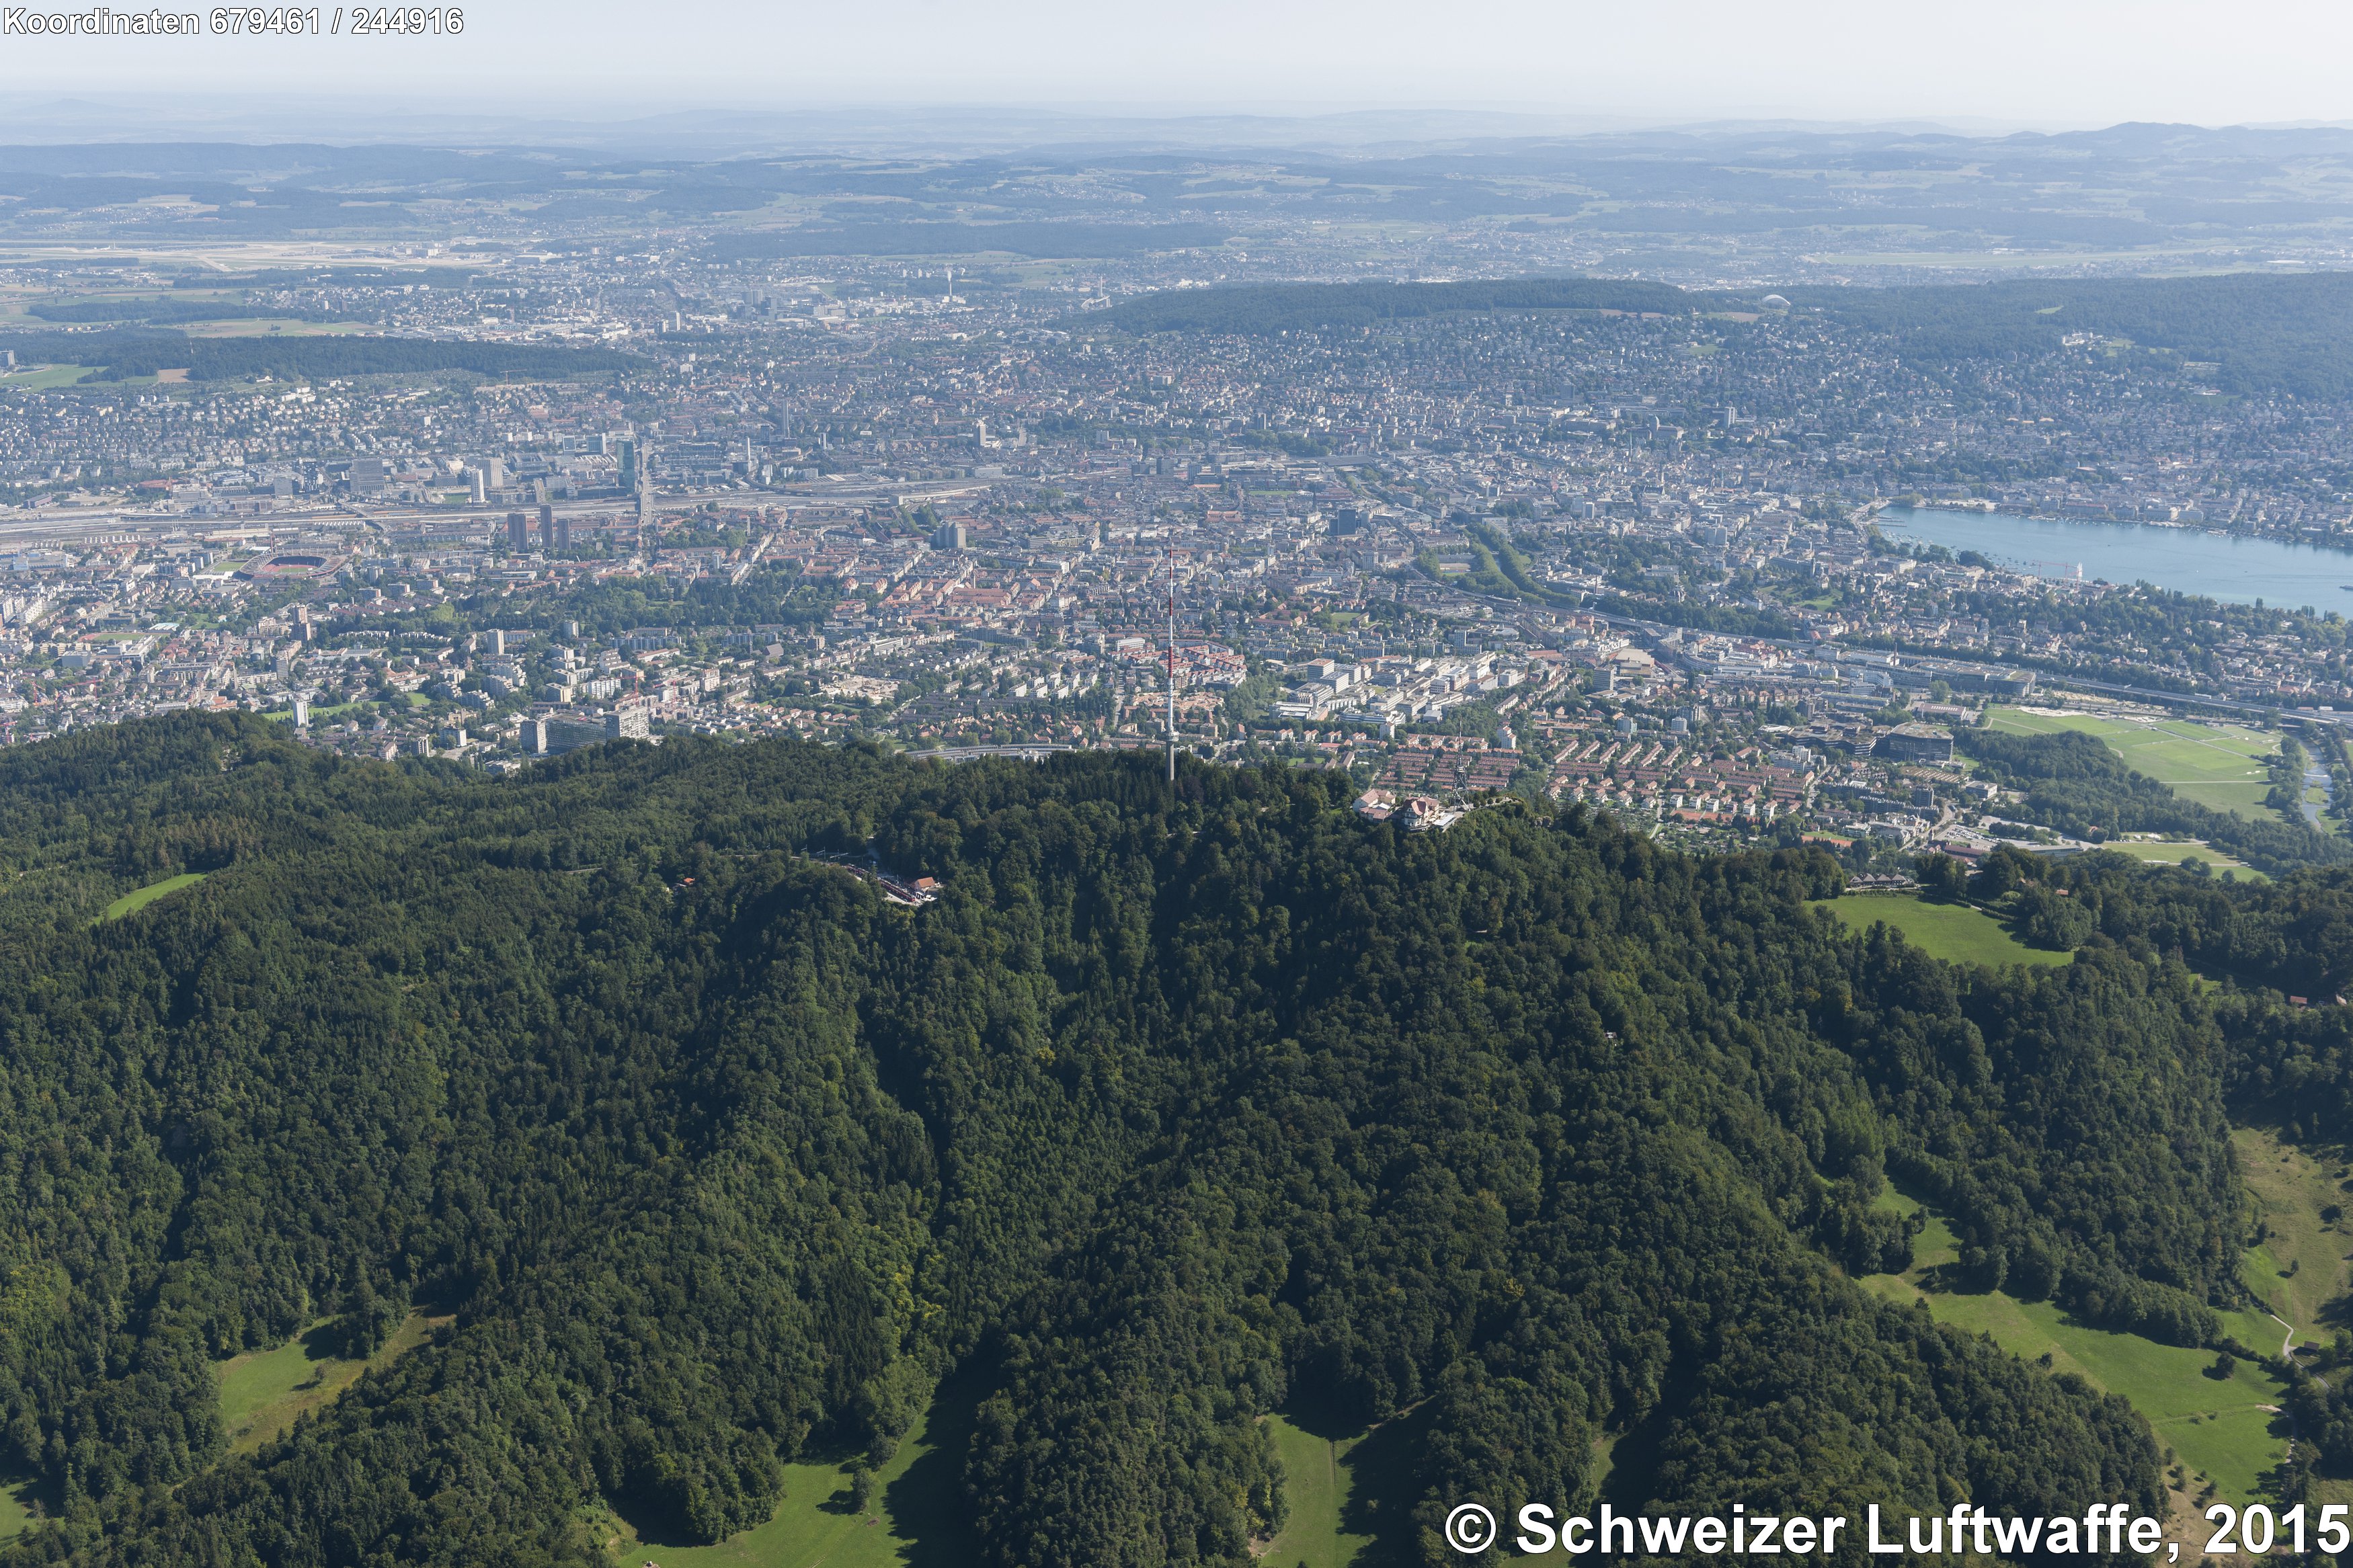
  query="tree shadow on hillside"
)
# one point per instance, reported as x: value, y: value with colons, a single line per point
x: 1382, y: 1491
x: 927, y: 1500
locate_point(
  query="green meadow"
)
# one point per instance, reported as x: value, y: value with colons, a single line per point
x: 1319, y: 1479
x: 133, y: 902
x: 2173, y: 852
x: 263, y: 1392
x: 1958, y: 933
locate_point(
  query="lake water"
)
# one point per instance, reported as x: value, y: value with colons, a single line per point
x: 2185, y: 559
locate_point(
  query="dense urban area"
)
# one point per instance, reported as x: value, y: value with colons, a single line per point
x: 1604, y: 541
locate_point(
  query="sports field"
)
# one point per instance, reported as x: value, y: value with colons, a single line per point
x: 1954, y: 932
x: 2219, y: 765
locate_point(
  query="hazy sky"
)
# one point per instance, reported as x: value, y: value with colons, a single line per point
x: 2040, y: 62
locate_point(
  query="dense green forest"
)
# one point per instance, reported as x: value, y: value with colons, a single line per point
x: 119, y: 355
x: 1179, y: 1107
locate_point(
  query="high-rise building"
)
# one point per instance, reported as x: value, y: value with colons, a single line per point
x: 629, y: 465
x: 547, y: 527
x: 481, y: 490
x: 495, y: 642
x: 517, y: 532
x: 948, y: 536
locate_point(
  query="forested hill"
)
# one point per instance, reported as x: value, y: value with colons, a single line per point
x: 2261, y: 333
x: 1174, y: 1110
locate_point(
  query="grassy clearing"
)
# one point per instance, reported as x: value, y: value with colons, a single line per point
x: 919, y: 1516
x: 18, y: 1496
x: 2301, y: 1265
x: 2222, y: 1432
x: 1954, y: 932
x: 1319, y: 1482
x: 2224, y: 766
x: 262, y: 1392
x: 131, y: 903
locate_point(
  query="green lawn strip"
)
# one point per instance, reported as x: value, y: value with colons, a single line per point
x: 1954, y: 932
x: 262, y: 1392
x: 919, y: 1514
x: 2245, y: 799
x: 1317, y: 1485
x: 2174, y: 851
x: 131, y: 903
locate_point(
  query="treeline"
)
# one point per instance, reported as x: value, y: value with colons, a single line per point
x: 1179, y: 1107
x: 2073, y: 783
x: 122, y: 355
x: 1260, y: 309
